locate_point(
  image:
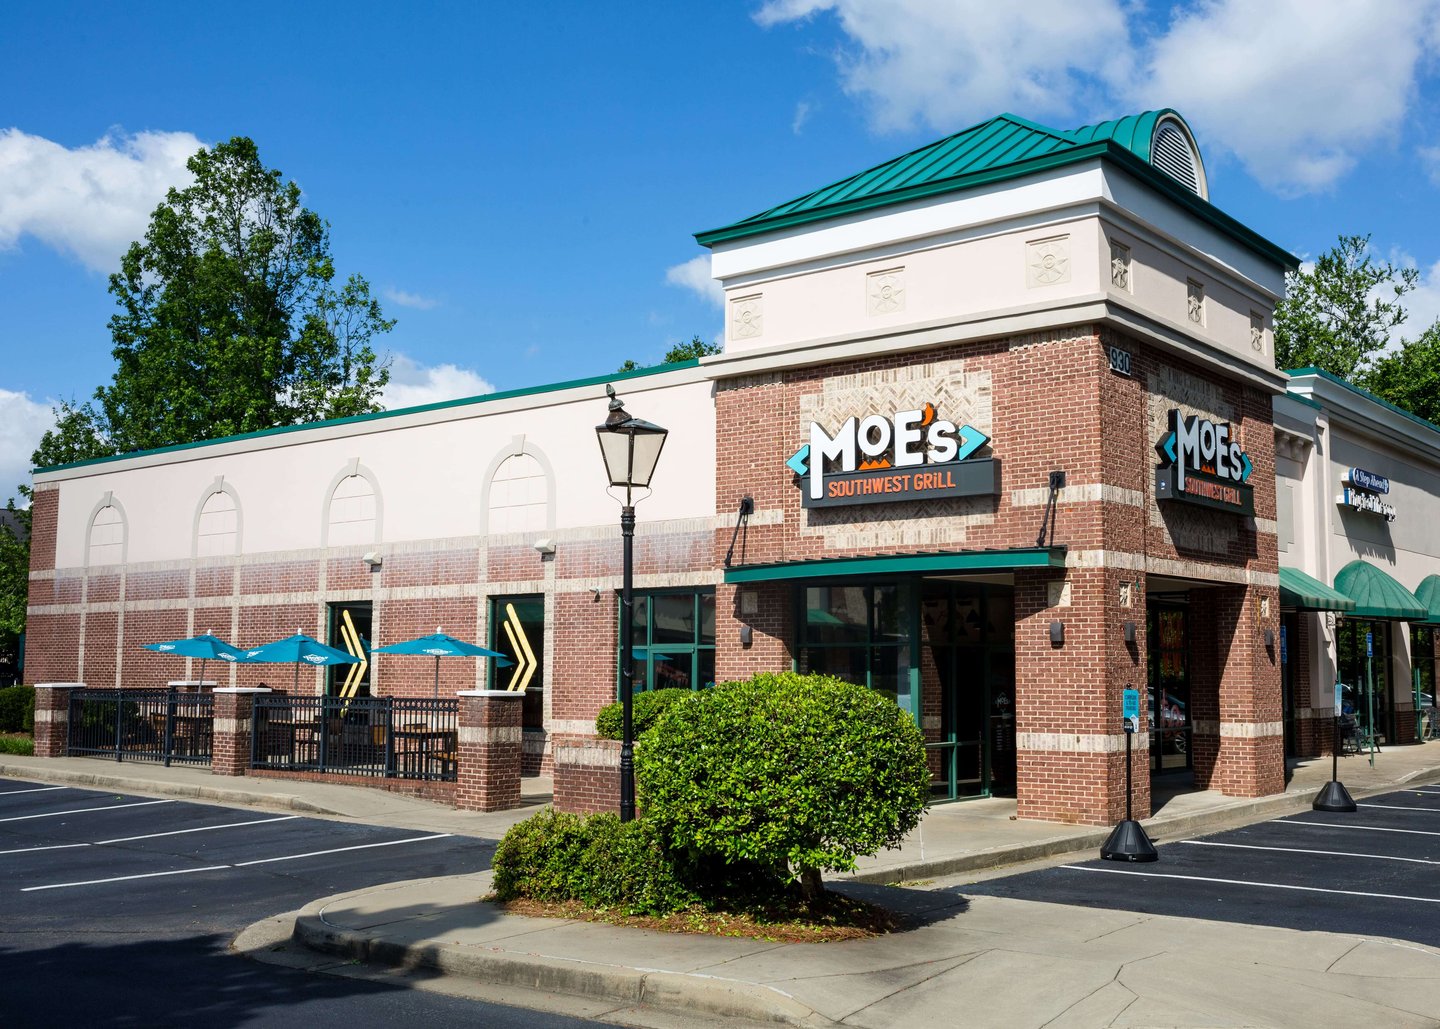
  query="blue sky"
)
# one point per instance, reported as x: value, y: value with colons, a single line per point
x: 520, y: 182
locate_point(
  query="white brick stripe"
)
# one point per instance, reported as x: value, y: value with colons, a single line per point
x: 1079, y: 743
x: 1089, y: 492
x: 587, y: 754
x: 491, y: 734
x: 1239, y: 730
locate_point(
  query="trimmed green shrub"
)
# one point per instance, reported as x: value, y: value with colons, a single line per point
x: 647, y: 707
x: 17, y: 709
x: 597, y: 860
x: 792, y: 773
x: 23, y: 745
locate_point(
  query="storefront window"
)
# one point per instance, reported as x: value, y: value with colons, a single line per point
x: 1356, y: 667
x: 860, y: 634
x: 517, y: 630
x: 1422, y: 659
x: 673, y: 634
x: 350, y: 632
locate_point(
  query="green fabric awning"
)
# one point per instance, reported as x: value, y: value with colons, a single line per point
x: 1378, y: 595
x: 1428, y: 593
x: 1304, y: 593
x: 901, y: 564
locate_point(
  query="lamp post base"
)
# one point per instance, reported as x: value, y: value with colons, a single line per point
x: 1333, y: 796
x: 1129, y: 843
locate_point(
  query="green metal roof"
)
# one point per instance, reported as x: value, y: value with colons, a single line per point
x: 1005, y: 147
x: 1428, y: 593
x: 901, y: 564
x: 1305, y: 593
x: 1378, y: 595
x: 1359, y: 391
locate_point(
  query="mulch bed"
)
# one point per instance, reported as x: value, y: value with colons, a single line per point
x: 832, y: 917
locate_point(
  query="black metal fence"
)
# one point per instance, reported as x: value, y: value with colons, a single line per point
x: 380, y: 737
x: 142, y: 725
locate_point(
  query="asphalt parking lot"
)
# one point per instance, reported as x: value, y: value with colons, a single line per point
x: 1372, y: 872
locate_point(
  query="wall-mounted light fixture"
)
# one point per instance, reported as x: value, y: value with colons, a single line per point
x: 545, y: 546
x: 1057, y: 632
x: 1129, y: 632
x: 373, y: 559
x: 594, y: 594
x: 747, y: 635
x: 1269, y: 638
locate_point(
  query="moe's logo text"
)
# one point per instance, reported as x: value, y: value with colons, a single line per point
x: 906, y: 456
x: 1204, y: 465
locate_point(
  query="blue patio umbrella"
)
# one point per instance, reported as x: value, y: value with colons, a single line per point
x: 297, y: 650
x: 438, y: 645
x: 205, y: 646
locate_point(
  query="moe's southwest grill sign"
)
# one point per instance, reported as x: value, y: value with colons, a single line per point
x: 881, y: 459
x: 1204, y: 465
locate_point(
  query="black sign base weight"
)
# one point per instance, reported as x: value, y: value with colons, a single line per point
x: 1128, y: 842
x: 1333, y: 796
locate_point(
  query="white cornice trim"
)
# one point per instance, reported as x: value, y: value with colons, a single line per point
x: 1348, y: 409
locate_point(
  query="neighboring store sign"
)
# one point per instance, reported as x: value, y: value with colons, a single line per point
x: 911, y: 455
x: 1205, y: 466
x: 1365, y: 496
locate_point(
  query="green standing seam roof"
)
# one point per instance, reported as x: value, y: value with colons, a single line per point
x: 901, y: 564
x: 1305, y: 593
x: 1005, y: 147
x: 1378, y: 595
x: 1428, y: 593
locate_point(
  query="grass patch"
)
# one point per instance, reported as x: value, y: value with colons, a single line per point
x: 831, y: 918
x: 17, y: 743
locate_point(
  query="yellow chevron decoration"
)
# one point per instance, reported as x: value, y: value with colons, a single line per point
x: 351, y: 639
x: 525, y: 663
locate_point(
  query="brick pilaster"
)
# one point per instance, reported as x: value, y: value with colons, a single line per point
x: 230, y: 749
x: 490, y: 750
x: 52, y: 717
x: 587, y: 775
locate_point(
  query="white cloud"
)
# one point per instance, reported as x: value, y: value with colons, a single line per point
x: 694, y: 275
x: 1298, y: 90
x: 407, y: 299
x: 92, y: 201
x: 1430, y: 161
x: 22, y: 423
x: 949, y: 63
x: 1423, y: 304
x: 412, y: 384
x: 802, y: 115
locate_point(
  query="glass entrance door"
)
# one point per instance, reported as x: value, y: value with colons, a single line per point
x: 968, y: 686
x: 1169, y: 688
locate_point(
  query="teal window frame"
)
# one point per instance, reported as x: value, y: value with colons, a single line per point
x: 680, y: 654
x: 906, y: 640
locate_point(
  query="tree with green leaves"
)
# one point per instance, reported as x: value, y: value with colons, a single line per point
x: 229, y: 320
x: 14, y: 581
x: 1339, y: 314
x: 697, y: 347
x: 1410, y: 377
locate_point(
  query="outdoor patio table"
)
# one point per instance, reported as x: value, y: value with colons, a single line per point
x: 416, y: 748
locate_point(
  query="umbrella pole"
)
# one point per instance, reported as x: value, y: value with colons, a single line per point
x: 200, y: 686
x: 296, y: 687
x: 435, y: 692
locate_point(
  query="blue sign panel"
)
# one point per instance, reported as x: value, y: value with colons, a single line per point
x: 1130, y: 709
x: 1284, y: 651
x: 1339, y: 698
x: 1369, y: 645
x: 1368, y: 480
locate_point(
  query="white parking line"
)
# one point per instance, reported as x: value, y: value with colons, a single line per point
x: 1361, y: 828
x: 240, y: 864
x: 151, y: 836
x: 41, y: 789
x: 1265, y: 886
x: 84, y: 810
x: 1398, y: 807
x: 1301, y: 850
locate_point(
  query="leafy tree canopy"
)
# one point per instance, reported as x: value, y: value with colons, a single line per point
x: 1339, y: 315
x: 697, y: 347
x: 229, y: 320
x: 1410, y: 377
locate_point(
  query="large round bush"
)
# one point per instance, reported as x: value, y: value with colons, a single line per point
x: 790, y: 772
x: 645, y: 708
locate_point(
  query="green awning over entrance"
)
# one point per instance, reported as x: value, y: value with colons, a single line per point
x: 1304, y: 593
x: 1377, y: 595
x: 1428, y: 593
x: 902, y: 564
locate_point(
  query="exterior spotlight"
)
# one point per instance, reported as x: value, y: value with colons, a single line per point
x: 1057, y: 632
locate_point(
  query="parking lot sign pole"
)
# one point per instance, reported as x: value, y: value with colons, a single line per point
x: 1128, y: 841
x: 1333, y: 796
x: 1370, y: 694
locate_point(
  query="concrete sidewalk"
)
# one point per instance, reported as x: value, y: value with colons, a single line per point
x: 1000, y: 962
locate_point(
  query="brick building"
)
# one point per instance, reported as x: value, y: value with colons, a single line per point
x: 1003, y: 410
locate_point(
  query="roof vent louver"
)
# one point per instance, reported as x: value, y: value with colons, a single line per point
x: 1173, y: 152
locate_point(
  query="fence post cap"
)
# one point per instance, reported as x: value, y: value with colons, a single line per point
x: 243, y: 689
x: 59, y: 685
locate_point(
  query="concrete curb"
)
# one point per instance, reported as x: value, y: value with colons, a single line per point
x: 1162, y: 829
x: 674, y: 992
x: 127, y: 783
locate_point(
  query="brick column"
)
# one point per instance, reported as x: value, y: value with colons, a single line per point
x: 230, y: 743
x: 52, y: 717
x: 490, y: 742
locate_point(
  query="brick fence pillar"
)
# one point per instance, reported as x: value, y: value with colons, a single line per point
x: 230, y: 744
x: 490, y: 745
x: 52, y: 717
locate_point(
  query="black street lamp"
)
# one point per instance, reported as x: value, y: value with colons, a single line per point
x: 631, y: 449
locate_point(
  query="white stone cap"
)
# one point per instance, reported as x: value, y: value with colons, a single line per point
x: 243, y: 689
x: 191, y: 682
x: 59, y: 685
x: 489, y: 693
